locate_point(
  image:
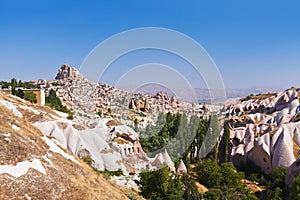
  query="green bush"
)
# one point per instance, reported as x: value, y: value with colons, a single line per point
x: 213, y: 194
x: 112, y: 173
x: 88, y: 160
x: 224, y: 179
x: 30, y: 96
x: 295, y: 192
x: 161, y: 185
x: 20, y: 93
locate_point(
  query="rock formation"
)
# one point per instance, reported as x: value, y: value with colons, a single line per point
x: 181, y: 169
x: 265, y: 129
x: 86, y: 97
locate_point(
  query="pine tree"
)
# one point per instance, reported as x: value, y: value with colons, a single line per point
x: 13, y: 84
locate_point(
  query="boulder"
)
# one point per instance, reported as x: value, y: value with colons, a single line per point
x: 181, y: 169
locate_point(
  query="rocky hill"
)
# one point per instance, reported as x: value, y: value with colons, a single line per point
x: 36, y: 166
x: 108, y: 144
x: 86, y: 97
x: 266, y: 129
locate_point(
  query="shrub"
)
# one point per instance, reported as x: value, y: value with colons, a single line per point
x: 88, y: 160
x: 295, y: 193
x: 112, y: 173
x: 225, y: 181
x: 161, y: 185
x: 20, y: 93
x: 30, y: 96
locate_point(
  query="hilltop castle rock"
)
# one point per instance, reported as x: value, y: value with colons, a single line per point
x: 67, y: 72
x: 85, y: 96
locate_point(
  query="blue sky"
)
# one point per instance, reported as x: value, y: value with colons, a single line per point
x: 254, y: 43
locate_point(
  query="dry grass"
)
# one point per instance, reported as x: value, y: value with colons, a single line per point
x: 64, y: 180
x: 253, y: 187
x: 296, y: 149
x: 259, y: 96
x: 20, y: 145
x: 107, y: 151
x: 78, y: 127
x: 121, y: 140
x: 201, y: 188
x: 113, y: 123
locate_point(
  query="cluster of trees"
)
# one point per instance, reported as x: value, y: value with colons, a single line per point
x: 274, y: 182
x: 14, y: 84
x: 222, y: 178
x: 163, y: 185
x: 185, y: 134
x: 223, y: 181
x: 28, y: 96
x: 53, y: 101
x: 155, y: 137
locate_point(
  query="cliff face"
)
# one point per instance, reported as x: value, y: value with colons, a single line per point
x: 265, y: 129
x: 34, y: 166
x: 67, y: 72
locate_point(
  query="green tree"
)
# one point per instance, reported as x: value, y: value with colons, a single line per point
x: 161, y: 119
x: 196, y: 145
x: 295, y: 192
x: 275, y: 194
x: 213, y: 134
x: 223, y: 153
x: 225, y: 180
x: 13, y: 83
x: 231, y: 178
x: 136, y: 125
x: 5, y: 84
x: 161, y: 185
x: 30, y: 96
x: 54, y: 102
x: 20, y: 93
x: 190, y: 189
x: 214, y: 194
x: 209, y: 173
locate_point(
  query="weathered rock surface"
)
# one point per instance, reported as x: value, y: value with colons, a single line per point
x: 293, y: 172
x: 86, y: 97
x: 265, y: 129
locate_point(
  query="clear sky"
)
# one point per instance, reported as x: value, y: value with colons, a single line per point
x: 254, y: 43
